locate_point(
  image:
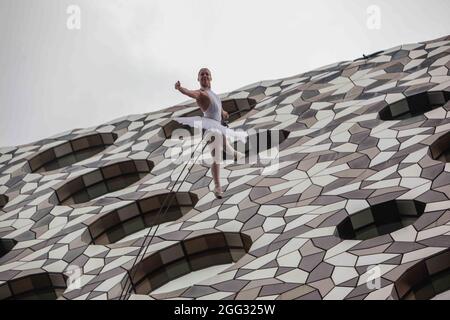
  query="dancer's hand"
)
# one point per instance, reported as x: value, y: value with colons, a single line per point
x: 178, y: 85
x: 225, y: 114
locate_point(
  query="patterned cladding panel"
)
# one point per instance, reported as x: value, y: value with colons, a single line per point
x: 360, y: 134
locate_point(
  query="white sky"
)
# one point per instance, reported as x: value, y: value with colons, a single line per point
x: 128, y: 54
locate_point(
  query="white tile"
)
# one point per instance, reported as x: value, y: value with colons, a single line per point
x: 413, y: 63
x: 383, y: 184
x: 57, y: 266
x: 344, y: 259
x: 293, y: 244
x: 319, y: 232
x: 259, y: 274
x: 330, y: 207
x: 294, y: 276
x: 295, y: 175
x: 117, y: 263
x: 264, y: 240
x: 411, y: 171
x: 201, y: 225
x: 435, y: 206
x: 207, y: 213
x: 344, y: 189
x: 420, y: 254
x: 407, y: 234
x: 58, y: 253
x: 341, y: 247
x: 384, y: 144
x: 298, y: 188
x: 268, y: 210
x: 261, y: 261
x: 272, y: 223
x: 299, y: 222
x: 439, y: 113
x: 384, y: 293
x: 375, y: 259
x: 413, y: 141
x: 110, y: 283
x: 343, y: 274
x: 231, y: 226
x: 433, y: 232
x: 356, y: 206
x: 289, y: 260
x: 338, y: 293
x: 381, y: 157
x: 416, y: 156
x: 413, y: 182
x: 416, y: 192
x: 238, y: 197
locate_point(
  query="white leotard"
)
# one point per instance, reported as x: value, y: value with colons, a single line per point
x: 214, y: 110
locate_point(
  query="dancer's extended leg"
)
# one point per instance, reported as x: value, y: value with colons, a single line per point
x: 231, y: 151
x: 216, y: 147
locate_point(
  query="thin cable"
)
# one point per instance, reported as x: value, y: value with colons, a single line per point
x: 157, y: 216
x: 150, y: 229
x: 171, y: 193
x: 146, y: 246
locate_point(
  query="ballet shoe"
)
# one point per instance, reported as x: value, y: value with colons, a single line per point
x: 218, y: 194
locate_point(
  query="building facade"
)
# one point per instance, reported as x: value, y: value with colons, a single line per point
x: 344, y: 194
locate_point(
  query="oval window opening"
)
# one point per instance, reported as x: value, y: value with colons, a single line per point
x: 71, y: 152
x: 440, y: 149
x: 6, y: 245
x: 144, y: 213
x: 426, y: 279
x: 380, y: 219
x: 218, y: 250
x: 3, y: 200
x: 43, y: 286
x: 414, y: 105
x: 102, y: 181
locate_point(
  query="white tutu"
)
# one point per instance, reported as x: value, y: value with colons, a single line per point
x: 212, y: 125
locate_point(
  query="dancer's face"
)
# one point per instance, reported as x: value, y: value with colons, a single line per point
x: 204, y: 77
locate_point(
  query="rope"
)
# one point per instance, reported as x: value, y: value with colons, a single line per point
x: 171, y: 194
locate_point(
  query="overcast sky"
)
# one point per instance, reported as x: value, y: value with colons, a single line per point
x: 128, y: 54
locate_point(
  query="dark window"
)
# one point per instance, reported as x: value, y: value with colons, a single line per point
x: 189, y: 255
x: 380, y: 219
x: 440, y: 149
x: 414, y: 105
x: 3, y: 200
x: 44, y: 286
x: 6, y: 246
x: 145, y: 213
x: 102, y: 181
x: 71, y: 152
x: 426, y: 279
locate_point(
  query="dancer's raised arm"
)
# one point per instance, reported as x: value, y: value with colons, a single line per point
x: 200, y: 96
x: 195, y: 94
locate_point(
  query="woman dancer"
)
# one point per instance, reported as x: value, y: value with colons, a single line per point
x: 211, y: 106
